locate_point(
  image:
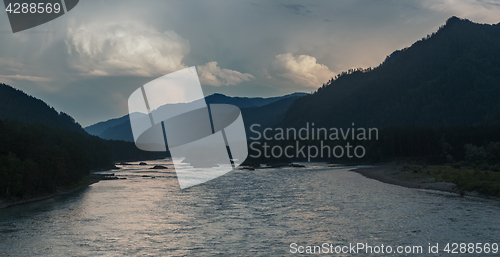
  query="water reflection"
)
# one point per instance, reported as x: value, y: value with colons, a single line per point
x: 256, y: 212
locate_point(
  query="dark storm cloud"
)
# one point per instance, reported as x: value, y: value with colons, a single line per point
x: 87, y: 62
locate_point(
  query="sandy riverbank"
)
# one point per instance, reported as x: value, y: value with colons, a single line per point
x: 393, y: 174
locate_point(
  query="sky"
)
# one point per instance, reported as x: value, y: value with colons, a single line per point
x: 87, y: 62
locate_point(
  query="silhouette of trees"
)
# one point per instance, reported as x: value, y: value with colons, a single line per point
x: 37, y: 159
x: 42, y: 150
x: 450, y: 78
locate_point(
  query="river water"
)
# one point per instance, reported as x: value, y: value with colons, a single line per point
x: 243, y: 213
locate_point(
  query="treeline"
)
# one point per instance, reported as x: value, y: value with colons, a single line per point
x: 17, y: 105
x: 42, y: 150
x: 477, y: 146
x: 473, y: 146
x: 36, y: 159
x: 450, y: 78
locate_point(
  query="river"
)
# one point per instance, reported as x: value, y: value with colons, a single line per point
x: 243, y: 213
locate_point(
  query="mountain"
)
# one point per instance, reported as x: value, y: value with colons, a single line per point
x: 451, y: 77
x: 43, y: 150
x: 246, y: 102
x: 254, y: 109
x: 17, y: 105
x: 122, y: 131
x: 267, y: 115
x: 100, y: 127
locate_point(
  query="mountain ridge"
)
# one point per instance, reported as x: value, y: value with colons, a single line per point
x: 17, y: 105
x: 119, y: 128
x: 449, y: 78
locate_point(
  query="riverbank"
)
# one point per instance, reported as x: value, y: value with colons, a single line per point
x: 398, y: 175
x: 4, y: 203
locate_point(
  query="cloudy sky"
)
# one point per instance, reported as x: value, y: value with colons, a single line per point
x: 88, y: 62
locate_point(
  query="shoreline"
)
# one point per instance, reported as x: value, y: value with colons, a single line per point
x: 6, y: 203
x: 392, y: 174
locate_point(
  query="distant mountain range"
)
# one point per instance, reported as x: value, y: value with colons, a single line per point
x: 265, y: 111
x: 98, y: 128
x: 247, y: 102
x: 451, y: 77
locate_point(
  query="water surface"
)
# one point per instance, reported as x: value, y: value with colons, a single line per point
x: 243, y: 213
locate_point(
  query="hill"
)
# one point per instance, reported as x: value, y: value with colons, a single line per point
x: 451, y: 77
x: 43, y: 150
x: 36, y: 159
x: 267, y: 115
x: 17, y: 105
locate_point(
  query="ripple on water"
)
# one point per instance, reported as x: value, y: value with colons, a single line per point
x: 256, y: 212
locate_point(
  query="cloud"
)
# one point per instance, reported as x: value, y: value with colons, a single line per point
x: 212, y: 75
x: 302, y: 69
x: 297, y: 9
x: 21, y: 77
x: 125, y: 49
x: 10, y: 64
x: 476, y: 10
x: 100, y: 36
